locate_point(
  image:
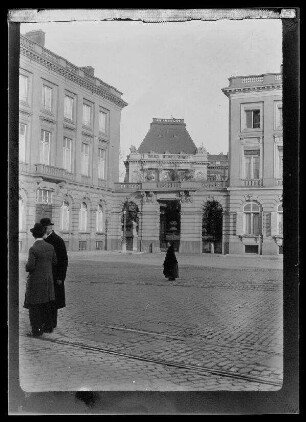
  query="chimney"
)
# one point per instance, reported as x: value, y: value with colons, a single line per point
x: 36, y: 36
x: 89, y: 70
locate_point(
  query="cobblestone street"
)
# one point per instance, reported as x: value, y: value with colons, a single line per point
x: 126, y: 327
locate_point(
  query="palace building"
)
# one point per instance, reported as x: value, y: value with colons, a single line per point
x: 69, y: 138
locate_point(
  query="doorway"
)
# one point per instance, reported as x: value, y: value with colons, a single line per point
x: 170, y: 223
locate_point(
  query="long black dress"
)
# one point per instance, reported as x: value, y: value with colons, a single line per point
x: 170, y: 264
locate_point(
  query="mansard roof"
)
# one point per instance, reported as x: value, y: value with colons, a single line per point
x: 167, y: 135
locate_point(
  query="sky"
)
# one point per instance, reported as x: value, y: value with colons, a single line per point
x: 173, y: 69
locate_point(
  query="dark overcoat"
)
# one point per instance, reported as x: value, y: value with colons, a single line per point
x: 60, y: 269
x: 40, y: 288
x: 170, y: 264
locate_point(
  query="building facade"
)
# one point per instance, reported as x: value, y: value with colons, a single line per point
x: 69, y: 137
x: 229, y: 204
x: 255, y: 214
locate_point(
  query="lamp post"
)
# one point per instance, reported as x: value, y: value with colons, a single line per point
x: 124, y: 232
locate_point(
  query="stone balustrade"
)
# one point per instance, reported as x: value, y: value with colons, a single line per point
x: 52, y: 172
x: 253, y: 182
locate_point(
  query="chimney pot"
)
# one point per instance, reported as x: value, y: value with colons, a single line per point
x: 37, y: 36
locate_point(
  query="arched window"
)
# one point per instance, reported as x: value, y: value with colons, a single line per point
x: 83, y: 217
x: 99, y: 220
x: 251, y: 218
x: 21, y: 213
x: 65, y: 216
x: 280, y: 219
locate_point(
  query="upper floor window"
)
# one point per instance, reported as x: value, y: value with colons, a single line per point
x: 47, y: 98
x: 280, y: 161
x: 251, y: 164
x: 22, y: 141
x: 278, y: 115
x: 44, y: 196
x: 85, y: 159
x: 21, y: 212
x: 65, y: 216
x: 102, y: 121
x: 252, y: 118
x: 101, y: 163
x: 68, y: 107
x: 45, y: 145
x: 86, y: 114
x: 280, y: 220
x: 99, y: 222
x: 23, y: 88
x: 251, y: 218
x: 83, y: 217
x: 67, y: 154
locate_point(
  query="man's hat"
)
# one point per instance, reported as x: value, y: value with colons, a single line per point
x: 38, y: 230
x: 46, y: 222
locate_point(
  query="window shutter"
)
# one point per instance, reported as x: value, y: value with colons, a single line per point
x: 273, y: 223
x: 267, y: 224
x: 239, y: 223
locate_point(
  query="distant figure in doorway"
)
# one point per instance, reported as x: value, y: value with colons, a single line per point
x: 59, y: 270
x: 39, y: 295
x: 170, y: 264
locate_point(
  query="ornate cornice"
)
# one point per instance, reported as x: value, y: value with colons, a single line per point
x: 228, y: 91
x: 94, y: 89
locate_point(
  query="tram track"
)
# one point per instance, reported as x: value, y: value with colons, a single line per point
x: 197, y: 369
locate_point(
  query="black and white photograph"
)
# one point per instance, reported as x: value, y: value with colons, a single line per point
x: 151, y: 222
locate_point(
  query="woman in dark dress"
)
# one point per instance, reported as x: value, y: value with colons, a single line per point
x: 170, y: 264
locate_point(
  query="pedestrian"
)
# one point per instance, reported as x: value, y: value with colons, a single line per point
x: 39, y: 295
x: 59, y: 270
x: 170, y: 263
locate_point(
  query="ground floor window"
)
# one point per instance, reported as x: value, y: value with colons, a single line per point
x: 82, y: 245
x: 99, y: 245
x: 251, y: 249
x: 280, y: 250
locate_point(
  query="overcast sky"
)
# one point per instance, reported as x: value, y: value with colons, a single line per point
x: 170, y: 69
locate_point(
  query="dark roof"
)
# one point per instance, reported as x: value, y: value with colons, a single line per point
x: 167, y: 135
x: 217, y: 157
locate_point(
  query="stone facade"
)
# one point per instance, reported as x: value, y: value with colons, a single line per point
x: 69, y: 136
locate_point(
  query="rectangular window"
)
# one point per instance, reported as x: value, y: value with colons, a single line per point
x: 82, y: 245
x: 252, y: 119
x: 280, y: 224
x: 44, y: 196
x: 280, y: 250
x: 251, y: 249
x: 67, y: 244
x: 99, y: 245
x: 101, y: 163
x: 22, y: 142
x: 278, y: 116
x: 86, y: 115
x: 102, y: 121
x: 252, y: 164
x: 67, y: 154
x: 280, y: 162
x: 23, y: 88
x: 47, y: 98
x: 45, y: 147
x: 68, y: 107
x: 85, y: 159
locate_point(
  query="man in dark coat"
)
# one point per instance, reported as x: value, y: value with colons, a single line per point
x: 59, y: 270
x: 39, y: 296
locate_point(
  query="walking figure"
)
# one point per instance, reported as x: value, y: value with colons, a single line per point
x: 39, y: 295
x: 170, y: 264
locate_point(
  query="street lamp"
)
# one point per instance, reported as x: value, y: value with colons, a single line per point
x: 124, y: 232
